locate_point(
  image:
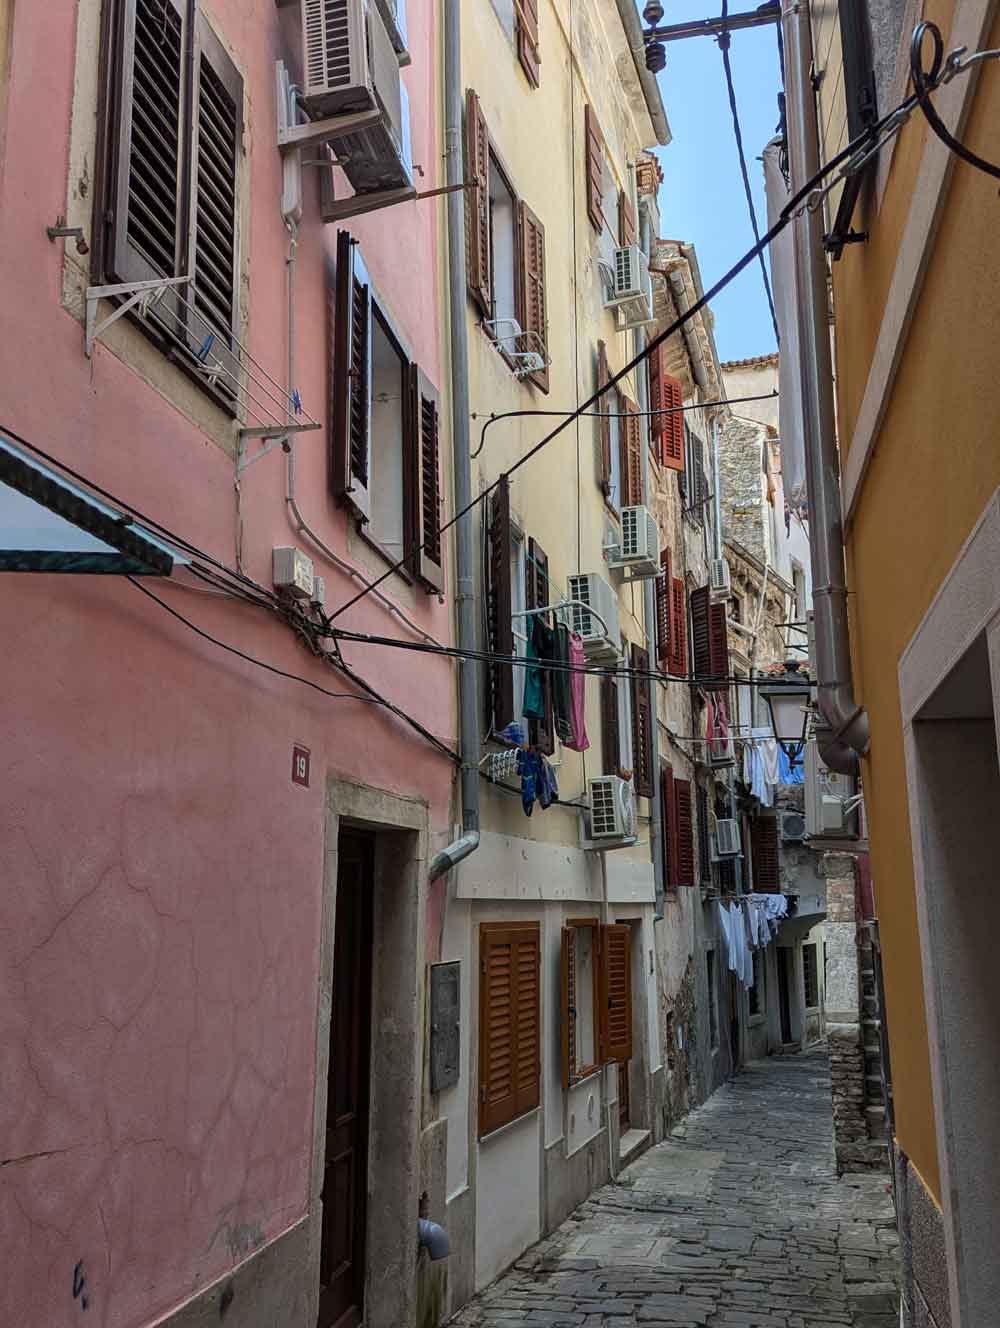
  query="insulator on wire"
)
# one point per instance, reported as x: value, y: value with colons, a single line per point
x: 656, y: 57
x: 653, y: 12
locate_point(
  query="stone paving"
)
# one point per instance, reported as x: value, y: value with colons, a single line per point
x: 737, y: 1220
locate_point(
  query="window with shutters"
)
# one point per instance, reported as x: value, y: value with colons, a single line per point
x: 504, y: 596
x: 764, y: 853
x: 663, y: 610
x: 697, y: 492
x: 168, y: 195
x: 618, y: 442
x: 626, y: 219
x: 385, y: 426
x: 642, y: 724
x: 528, y: 51
x: 593, y: 166
x: 541, y: 732
x: 616, y: 719
x: 704, y: 838
x: 616, y: 993
x: 509, y: 1022
x: 684, y: 832
x: 678, y: 665
x: 665, y: 394
x: 709, y: 641
x: 581, y: 988
x: 810, y: 975
x: 668, y: 816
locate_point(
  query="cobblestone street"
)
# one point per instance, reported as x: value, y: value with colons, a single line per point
x: 737, y: 1221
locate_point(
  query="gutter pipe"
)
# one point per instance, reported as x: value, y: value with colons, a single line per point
x: 468, y: 670
x: 629, y: 15
x: 844, y: 733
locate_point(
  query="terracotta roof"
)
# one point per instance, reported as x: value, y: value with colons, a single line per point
x: 756, y: 362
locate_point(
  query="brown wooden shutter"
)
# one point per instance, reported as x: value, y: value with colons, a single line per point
x: 718, y: 644
x: 604, y: 405
x: 350, y: 379
x: 422, y: 463
x: 631, y: 436
x: 666, y: 393
x: 663, y: 611
x: 594, y: 168
x: 701, y: 665
x: 668, y: 816
x: 509, y: 1022
x: 537, y: 592
x: 709, y: 643
x: 764, y: 847
x: 704, y: 841
x: 498, y: 599
x: 527, y: 39
x: 678, y: 628
x: 642, y: 724
x: 616, y: 1002
x: 626, y: 219
x: 569, y: 1014
x: 533, y: 317
x: 684, y: 827
x: 477, y: 210
x: 610, y: 735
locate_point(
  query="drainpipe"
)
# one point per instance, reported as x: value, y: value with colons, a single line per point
x: 468, y: 670
x: 844, y: 734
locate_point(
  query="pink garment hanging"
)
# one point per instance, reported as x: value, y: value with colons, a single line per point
x: 709, y: 720
x: 579, y: 741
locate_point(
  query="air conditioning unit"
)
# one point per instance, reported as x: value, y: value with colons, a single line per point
x: 719, y: 583
x: 394, y: 17
x: 721, y: 753
x: 699, y: 752
x: 611, y: 821
x: 793, y: 827
x: 350, y: 65
x: 639, y: 549
x: 828, y: 795
x: 591, y: 591
x: 631, y: 288
x: 727, y: 839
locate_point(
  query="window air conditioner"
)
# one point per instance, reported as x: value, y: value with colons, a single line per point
x: 727, y: 839
x: 719, y: 581
x: 350, y: 66
x: 722, y: 753
x: 611, y: 821
x: 394, y: 17
x: 793, y: 827
x: 639, y: 549
x: 631, y: 288
x: 593, y: 592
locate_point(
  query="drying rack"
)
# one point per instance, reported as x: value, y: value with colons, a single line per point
x: 564, y: 604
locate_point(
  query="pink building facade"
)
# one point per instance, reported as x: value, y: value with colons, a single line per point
x: 178, y: 916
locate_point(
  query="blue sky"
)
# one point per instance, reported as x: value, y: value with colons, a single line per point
x: 702, y: 198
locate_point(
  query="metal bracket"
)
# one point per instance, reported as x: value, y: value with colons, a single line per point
x: 272, y: 436
x: 143, y: 295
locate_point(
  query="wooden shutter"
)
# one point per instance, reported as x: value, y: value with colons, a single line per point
x: 350, y: 379
x: 498, y: 600
x: 709, y: 644
x: 477, y: 209
x: 533, y: 318
x: 527, y: 39
x: 704, y: 843
x: 616, y: 1002
x: 668, y: 817
x: 568, y: 986
x: 642, y: 724
x: 684, y: 828
x: 631, y: 462
x: 663, y: 611
x: 594, y: 168
x: 666, y: 393
x: 626, y: 219
x: 422, y: 463
x: 764, y: 847
x: 146, y: 140
x: 537, y: 593
x: 509, y: 1022
x: 610, y: 735
x: 604, y: 405
x: 678, y: 628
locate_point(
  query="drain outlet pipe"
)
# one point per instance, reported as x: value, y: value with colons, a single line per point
x: 843, y: 735
x: 468, y: 669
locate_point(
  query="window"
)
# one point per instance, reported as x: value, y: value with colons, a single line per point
x: 384, y: 426
x: 614, y: 404
x: 810, y: 975
x: 527, y: 40
x: 697, y: 481
x: 709, y: 641
x: 611, y: 744
x: 799, y: 583
x: 593, y: 146
x: 506, y: 250
x: 713, y: 1001
x: 677, y: 820
x: 170, y: 160
x: 642, y: 724
x: 619, y: 442
x: 764, y: 848
x: 756, y: 995
x: 665, y: 393
x: 509, y: 1022
x: 541, y: 732
x: 581, y: 983
x: 704, y: 838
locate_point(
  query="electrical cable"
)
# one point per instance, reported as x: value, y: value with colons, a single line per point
x: 942, y: 71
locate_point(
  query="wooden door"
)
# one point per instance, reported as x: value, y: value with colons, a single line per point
x: 345, y: 1180
x: 785, y: 992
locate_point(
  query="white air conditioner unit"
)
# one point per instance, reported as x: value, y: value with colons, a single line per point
x: 631, y: 288
x: 793, y: 827
x: 721, y: 753
x: 727, y: 839
x: 394, y: 17
x: 591, y: 591
x: 719, y: 582
x: 699, y: 752
x: 611, y: 821
x: 639, y: 549
x: 350, y: 65
x: 828, y: 796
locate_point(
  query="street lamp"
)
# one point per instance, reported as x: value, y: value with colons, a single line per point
x: 787, y: 699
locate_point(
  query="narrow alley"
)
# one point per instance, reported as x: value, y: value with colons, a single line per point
x: 737, y: 1221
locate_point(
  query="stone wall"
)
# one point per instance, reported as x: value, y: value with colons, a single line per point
x: 742, y: 476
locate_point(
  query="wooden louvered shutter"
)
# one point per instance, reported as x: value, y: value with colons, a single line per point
x: 569, y: 998
x: 666, y: 393
x: 422, y: 461
x: 610, y: 734
x: 477, y: 207
x: 217, y: 100
x: 593, y: 141
x: 663, y: 611
x: 509, y: 1023
x: 678, y: 628
x: 350, y: 379
x: 533, y: 316
x: 764, y: 847
x: 704, y: 841
x: 146, y: 137
x: 631, y: 436
x: 709, y: 643
x: 684, y: 830
x: 616, y: 996
x: 668, y: 816
x: 527, y: 39
x: 604, y: 406
x: 642, y: 724
x: 537, y: 593
x: 499, y: 608
x: 701, y: 659
x: 626, y: 219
